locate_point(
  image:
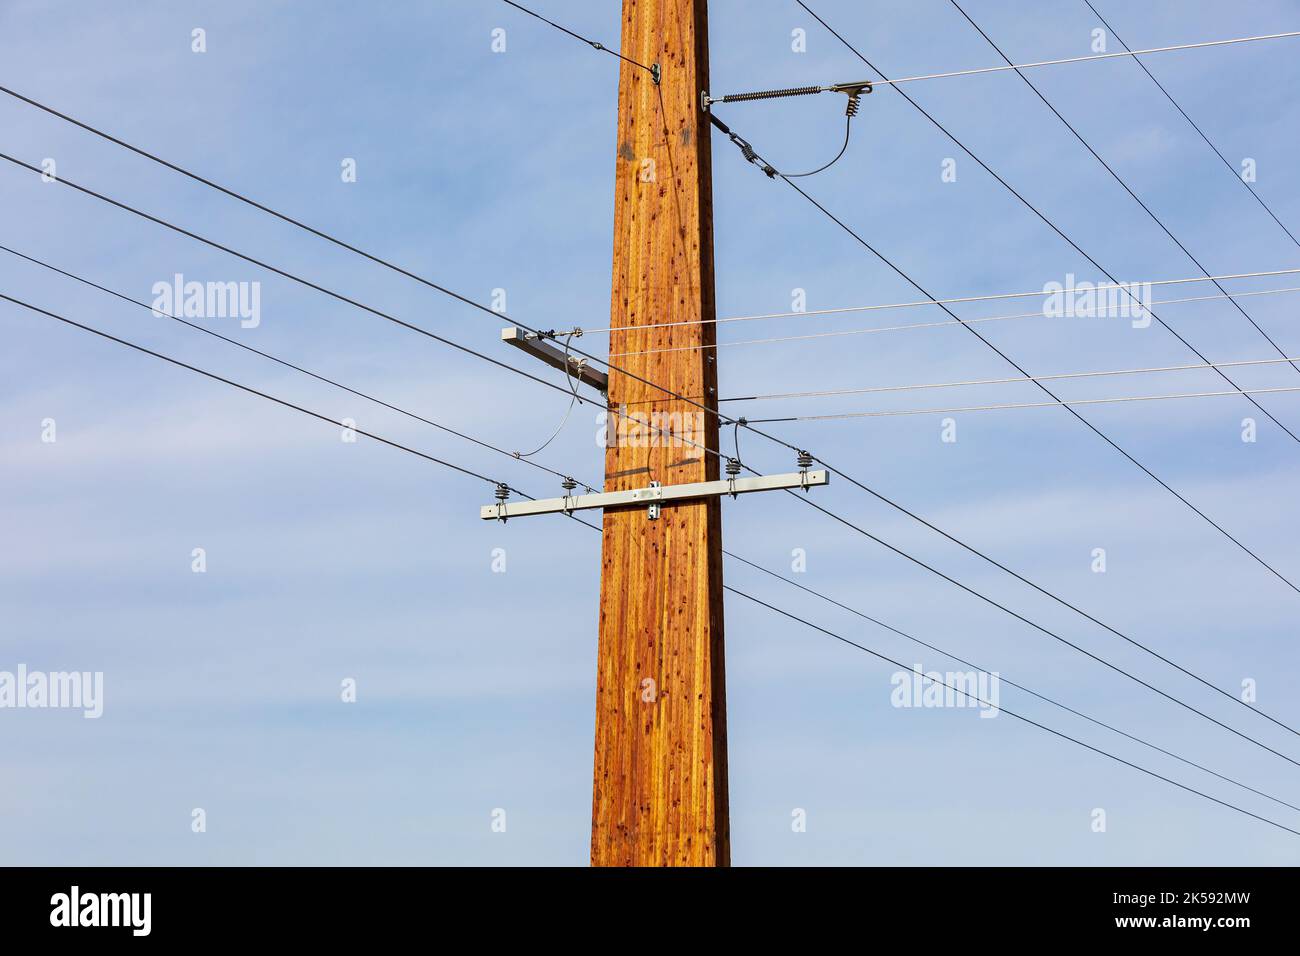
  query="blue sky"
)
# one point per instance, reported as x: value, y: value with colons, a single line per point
x: 485, y: 171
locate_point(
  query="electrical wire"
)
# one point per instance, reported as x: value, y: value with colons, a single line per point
x: 1081, y: 59
x: 1028, y: 205
x: 839, y: 222
x: 1057, y: 637
x: 1127, y: 188
x: 1009, y: 682
x: 883, y: 81
x: 968, y: 696
x: 287, y: 275
x: 279, y: 361
x: 1096, y: 287
x: 337, y: 423
x: 426, y: 456
x: 499, y: 316
x: 249, y: 389
x: 345, y: 299
x: 826, y: 393
x: 1033, y: 723
x: 838, y: 518
x: 444, y: 290
x: 1208, y: 142
x: 574, y: 400
x: 1068, y: 403
x: 591, y: 43
x: 1004, y: 679
x: 813, y: 336
x: 482, y: 308
x: 848, y: 129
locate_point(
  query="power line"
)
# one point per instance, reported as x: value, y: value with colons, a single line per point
x: 976, y: 593
x: 839, y: 222
x: 249, y: 389
x: 346, y: 299
x: 848, y: 130
x: 1006, y: 680
x: 1033, y: 723
x: 1119, y: 179
x: 1062, y: 640
x: 826, y: 212
x: 591, y: 43
x: 379, y: 438
x: 839, y: 333
x: 883, y: 81
x: 1010, y: 683
x: 1169, y: 96
x: 289, y: 275
x: 1028, y: 205
x: 485, y: 478
x: 486, y: 310
x: 501, y: 451
x: 1068, y: 403
x: 1095, y: 287
x: 287, y: 364
x: 387, y: 264
x: 970, y: 549
x: 827, y: 393
x: 123, y: 342
x: 500, y: 316
x: 966, y: 663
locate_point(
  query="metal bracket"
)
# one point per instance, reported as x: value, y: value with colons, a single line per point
x: 573, y: 365
x: 653, y: 511
x: 655, y: 495
x: 851, y: 88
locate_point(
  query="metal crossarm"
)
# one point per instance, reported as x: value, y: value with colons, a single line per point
x: 655, y: 495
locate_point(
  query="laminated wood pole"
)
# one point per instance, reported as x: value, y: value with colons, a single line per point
x: 660, y: 778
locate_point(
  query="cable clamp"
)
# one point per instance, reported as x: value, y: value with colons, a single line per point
x: 854, y: 91
x: 748, y: 152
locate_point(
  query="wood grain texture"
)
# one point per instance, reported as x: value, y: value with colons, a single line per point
x: 660, y: 779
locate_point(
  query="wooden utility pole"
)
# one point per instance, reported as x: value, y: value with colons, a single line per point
x: 660, y: 782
